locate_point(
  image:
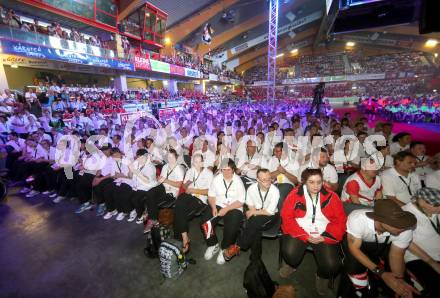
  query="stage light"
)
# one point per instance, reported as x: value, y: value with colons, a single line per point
x: 436, y: 55
x: 350, y: 44
x: 165, y: 83
x: 280, y: 55
x: 14, y: 66
x: 430, y: 43
x: 167, y: 40
x: 294, y: 51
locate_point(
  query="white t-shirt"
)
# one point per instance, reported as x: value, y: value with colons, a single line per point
x: 328, y: 172
x: 287, y: 164
x: 424, y: 235
x: 235, y: 191
x: 267, y: 200
x: 433, y: 180
x: 395, y: 185
x: 358, y: 186
x: 200, y: 180
x: 360, y: 226
x: 396, y: 148
x: 252, y: 161
x: 148, y: 170
x: 423, y: 171
x: 175, y: 174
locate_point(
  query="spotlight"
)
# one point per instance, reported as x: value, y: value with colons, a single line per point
x: 430, y: 43
x: 350, y: 44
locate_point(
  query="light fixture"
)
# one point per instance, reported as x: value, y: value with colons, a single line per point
x: 350, y: 44
x: 165, y: 83
x: 430, y: 43
x: 294, y: 51
x: 14, y: 66
x: 280, y: 55
x: 435, y: 55
x: 167, y: 40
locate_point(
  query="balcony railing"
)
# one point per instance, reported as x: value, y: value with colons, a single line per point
x: 55, y: 42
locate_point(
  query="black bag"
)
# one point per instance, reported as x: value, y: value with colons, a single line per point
x: 257, y: 281
x: 154, y: 238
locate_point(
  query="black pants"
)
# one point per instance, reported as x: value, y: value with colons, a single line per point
x: 426, y: 276
x: 65, y: 186
x: 251, y: 236
x: 11, y: 158
x: 154, y: 198
x: 84, y: 187
x: 98, y: 190
x: 39, y: 183
x: 121, y: 198
x: 326, y: 255
x: 186, y: 207
x: 232, y: 224
x: 138, y: 199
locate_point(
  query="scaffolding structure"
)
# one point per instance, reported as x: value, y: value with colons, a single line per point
x: 272, y: 50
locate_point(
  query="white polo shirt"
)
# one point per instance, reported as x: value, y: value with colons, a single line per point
x: 287, y: 164
x: 395, y: 185
x: 199, y: 180
x: 360, y: 226
x: 252, y: 161
x: 235, y: 191
x: 175, y: 174
x: 328, y: 172
x: 433, y: 180
x: 424, y: 235
x: 267, y: 200
x: 396, y: 148
x: 148, y: 170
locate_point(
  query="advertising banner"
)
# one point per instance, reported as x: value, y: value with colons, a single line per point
x: 177, y: 70
x: 39, y: 52
x: 192, y: 73
x: 159, y: 66
x: 142, y: 63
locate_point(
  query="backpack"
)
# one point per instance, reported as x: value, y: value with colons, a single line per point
x: 171, y: 258
x: 257, y: 281
x: 154, y: 238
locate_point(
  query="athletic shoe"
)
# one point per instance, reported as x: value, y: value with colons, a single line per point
x: 321, y: 285
x: 121, y: 216
x: 53, y: 195
x: 25, y: 190
x: 132, y: 216
x: 110, y: 214
x: 84, y: 207
x: 286, y: 270
x: 220, y: 258
x: 58, y: 199
x: 140, y: 220
x: 211, y: 251
x: 46, y: 192
x: 148, y: 226
x: 33, y: 193
x: 230, y: 252
x: 100, y: 210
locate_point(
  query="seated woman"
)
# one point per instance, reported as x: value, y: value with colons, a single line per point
x: 196, y: 184
x: 226, y: 197
x: 313, y: 215
x: 171, y: 178
x: 262, y: 199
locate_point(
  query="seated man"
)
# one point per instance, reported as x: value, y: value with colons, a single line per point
x: 366, y: 246
x: 249, y: 163
x: 423, y: 255
x: 281, y: 167
x: 262, y: 199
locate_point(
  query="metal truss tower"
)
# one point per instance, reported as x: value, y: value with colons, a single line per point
x: 272, y: 49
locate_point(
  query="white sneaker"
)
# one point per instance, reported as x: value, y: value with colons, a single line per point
x: 53, y: 195
x: 58, y: 199
x: 211, y: 251
x: 133, y: 215
x: 45, y: 192
x: 33, y: 193
x: 121, y: 216
x: 25, y: 190
x: 220, y: 258
x: 110, y: 214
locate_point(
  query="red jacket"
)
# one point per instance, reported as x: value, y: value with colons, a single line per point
x: 331, y: 207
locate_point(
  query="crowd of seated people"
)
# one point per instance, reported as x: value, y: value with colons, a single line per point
x: 324, y: 65
x: 250, y: 162
x: 10, y: 18
x: 404, y: 108
x: 414, y: 62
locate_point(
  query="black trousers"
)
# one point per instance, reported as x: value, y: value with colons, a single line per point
x: 232, y: 224
x: 251, y: 236
x: 11, y: 158
x: 326, y: 255
x: 98, y: 190
x: 138, y: 199
x: 426, y: 276
x: 121, y: 197
x: 65, y: 186
x: 39, y: 183
x: 84, y: 187
x: 155, y: 196
x: 185, y: 209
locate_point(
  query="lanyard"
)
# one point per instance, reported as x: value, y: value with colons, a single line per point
x: 35, y: 153
x: 196, y: 178
x: 407, y: 184
x: 261, y: 197
x: 227, y: 187
x: 119, y: 167
x: 250, y: 157
x: 421, y: 159
x: 314, y: 204
x: 169, y: 173
x: 436, y: 226
x: 141, y: 168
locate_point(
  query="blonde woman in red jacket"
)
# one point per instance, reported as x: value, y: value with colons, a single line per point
x: 313, y: 215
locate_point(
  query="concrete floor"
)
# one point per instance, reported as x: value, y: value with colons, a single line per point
x: 48, y: 251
